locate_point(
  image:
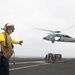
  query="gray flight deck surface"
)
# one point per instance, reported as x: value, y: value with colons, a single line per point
x: 34, y: 66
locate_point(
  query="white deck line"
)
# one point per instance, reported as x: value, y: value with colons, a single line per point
x: 18, y: 68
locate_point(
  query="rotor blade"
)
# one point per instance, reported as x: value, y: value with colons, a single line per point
x: 48, y: 30
x: 69, y: 28
x: 44, y: 30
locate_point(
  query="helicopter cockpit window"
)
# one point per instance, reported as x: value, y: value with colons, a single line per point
x: 48, y: 36
x: 67, y: 36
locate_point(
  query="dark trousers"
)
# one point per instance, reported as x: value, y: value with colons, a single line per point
x: 4, y: 66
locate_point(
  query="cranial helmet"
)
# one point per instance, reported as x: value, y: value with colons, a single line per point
x: 9, y: 26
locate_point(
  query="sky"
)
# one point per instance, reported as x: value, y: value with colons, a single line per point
x: 26, y: 15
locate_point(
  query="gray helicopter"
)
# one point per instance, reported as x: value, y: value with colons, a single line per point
x: 57, y: 36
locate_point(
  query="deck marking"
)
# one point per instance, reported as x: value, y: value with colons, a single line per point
x: 26, y: 67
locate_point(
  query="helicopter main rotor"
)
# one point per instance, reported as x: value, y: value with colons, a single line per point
x: 49, y: 30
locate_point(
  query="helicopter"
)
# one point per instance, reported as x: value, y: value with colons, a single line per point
x: 57, y: 34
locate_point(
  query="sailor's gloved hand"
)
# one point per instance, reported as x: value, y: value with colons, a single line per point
x: 20, y: 42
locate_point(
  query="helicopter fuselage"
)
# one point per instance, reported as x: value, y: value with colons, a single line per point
x: 61, y: 38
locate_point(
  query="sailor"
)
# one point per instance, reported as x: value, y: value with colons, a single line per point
x: 6, y: 47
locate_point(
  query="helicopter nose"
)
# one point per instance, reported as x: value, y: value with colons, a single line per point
x: 44, y: 38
